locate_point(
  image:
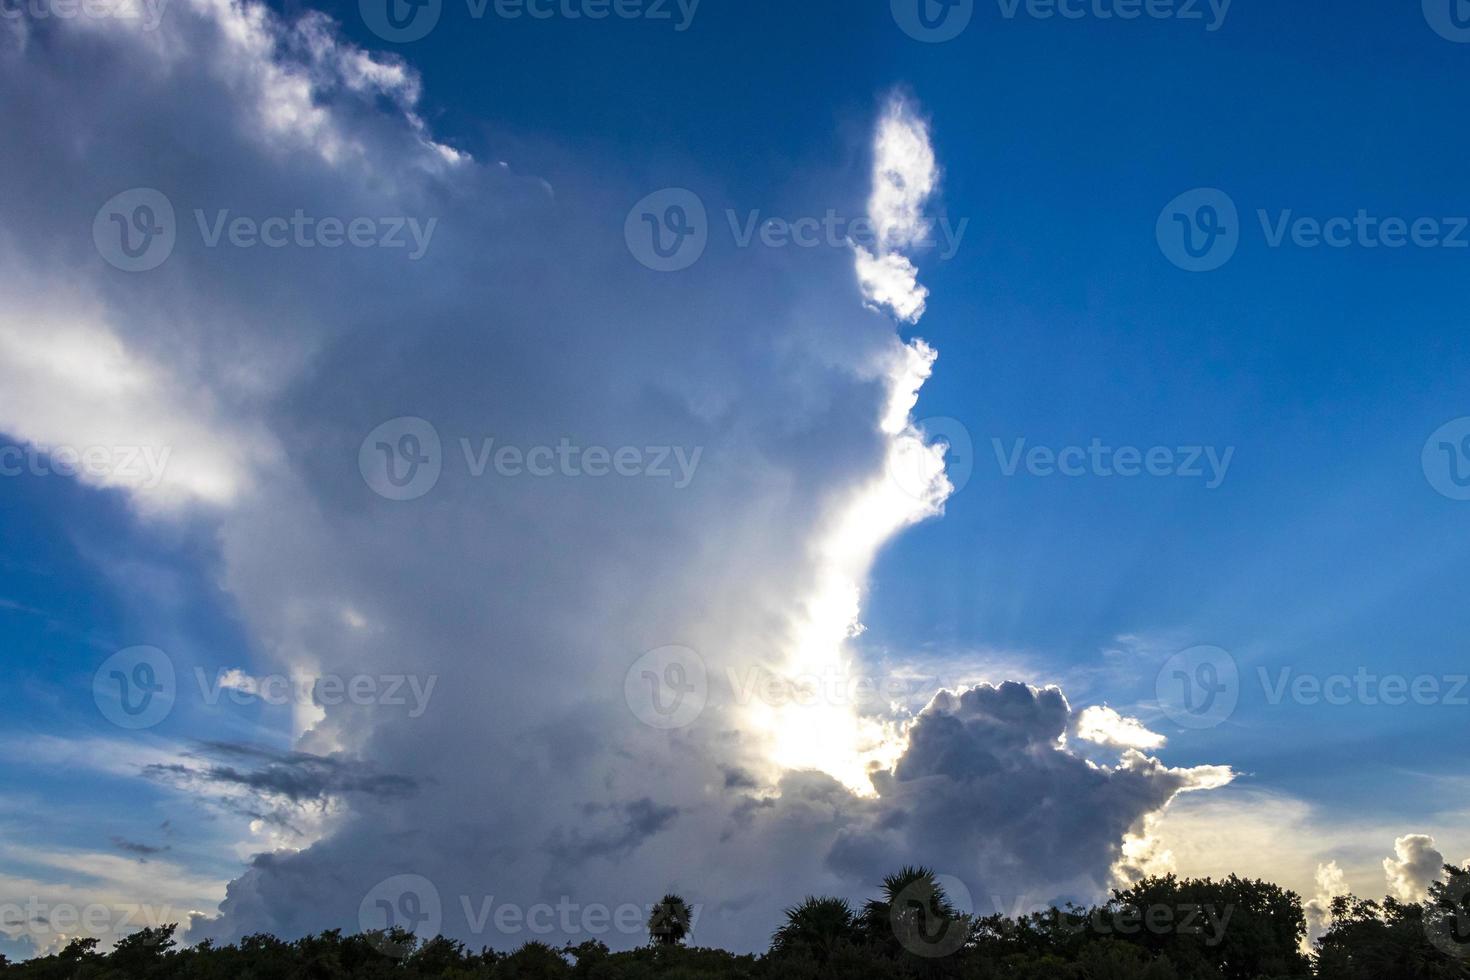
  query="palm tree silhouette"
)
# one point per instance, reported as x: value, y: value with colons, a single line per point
x: 670, y: 921
x: 817, y: 925
x: 914, y: 907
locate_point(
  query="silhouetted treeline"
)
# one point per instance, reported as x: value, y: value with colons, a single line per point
x: 1160, y: 929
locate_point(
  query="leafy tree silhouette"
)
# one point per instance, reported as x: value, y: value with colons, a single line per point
x: 533, y: 961
x: 822, y: 939
x: 1240, y: 928
x: 1400, y: 941
x: 138, y: 954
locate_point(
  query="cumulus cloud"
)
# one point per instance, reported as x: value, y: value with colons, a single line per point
x: 1416, y: 865
x: 62, y: 891
x: 1331, y: 883
x: 529, y: 778
x: 988, y: 787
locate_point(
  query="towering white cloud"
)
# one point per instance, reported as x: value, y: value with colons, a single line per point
x: 528, y: 599
x: 1331, y: 883
x: 1416, y: 864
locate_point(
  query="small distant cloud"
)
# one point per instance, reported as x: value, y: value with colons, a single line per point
x: 1104, y: 726
x: 143, y: 851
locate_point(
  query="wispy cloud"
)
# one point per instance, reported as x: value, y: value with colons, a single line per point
x: 905, y: 175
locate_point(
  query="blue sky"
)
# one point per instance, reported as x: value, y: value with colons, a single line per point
x: 1328, y: 546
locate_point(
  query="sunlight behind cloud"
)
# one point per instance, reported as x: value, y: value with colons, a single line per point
x: 829, y: 733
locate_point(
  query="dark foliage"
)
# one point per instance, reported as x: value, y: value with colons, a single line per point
x: 1160, y: 929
